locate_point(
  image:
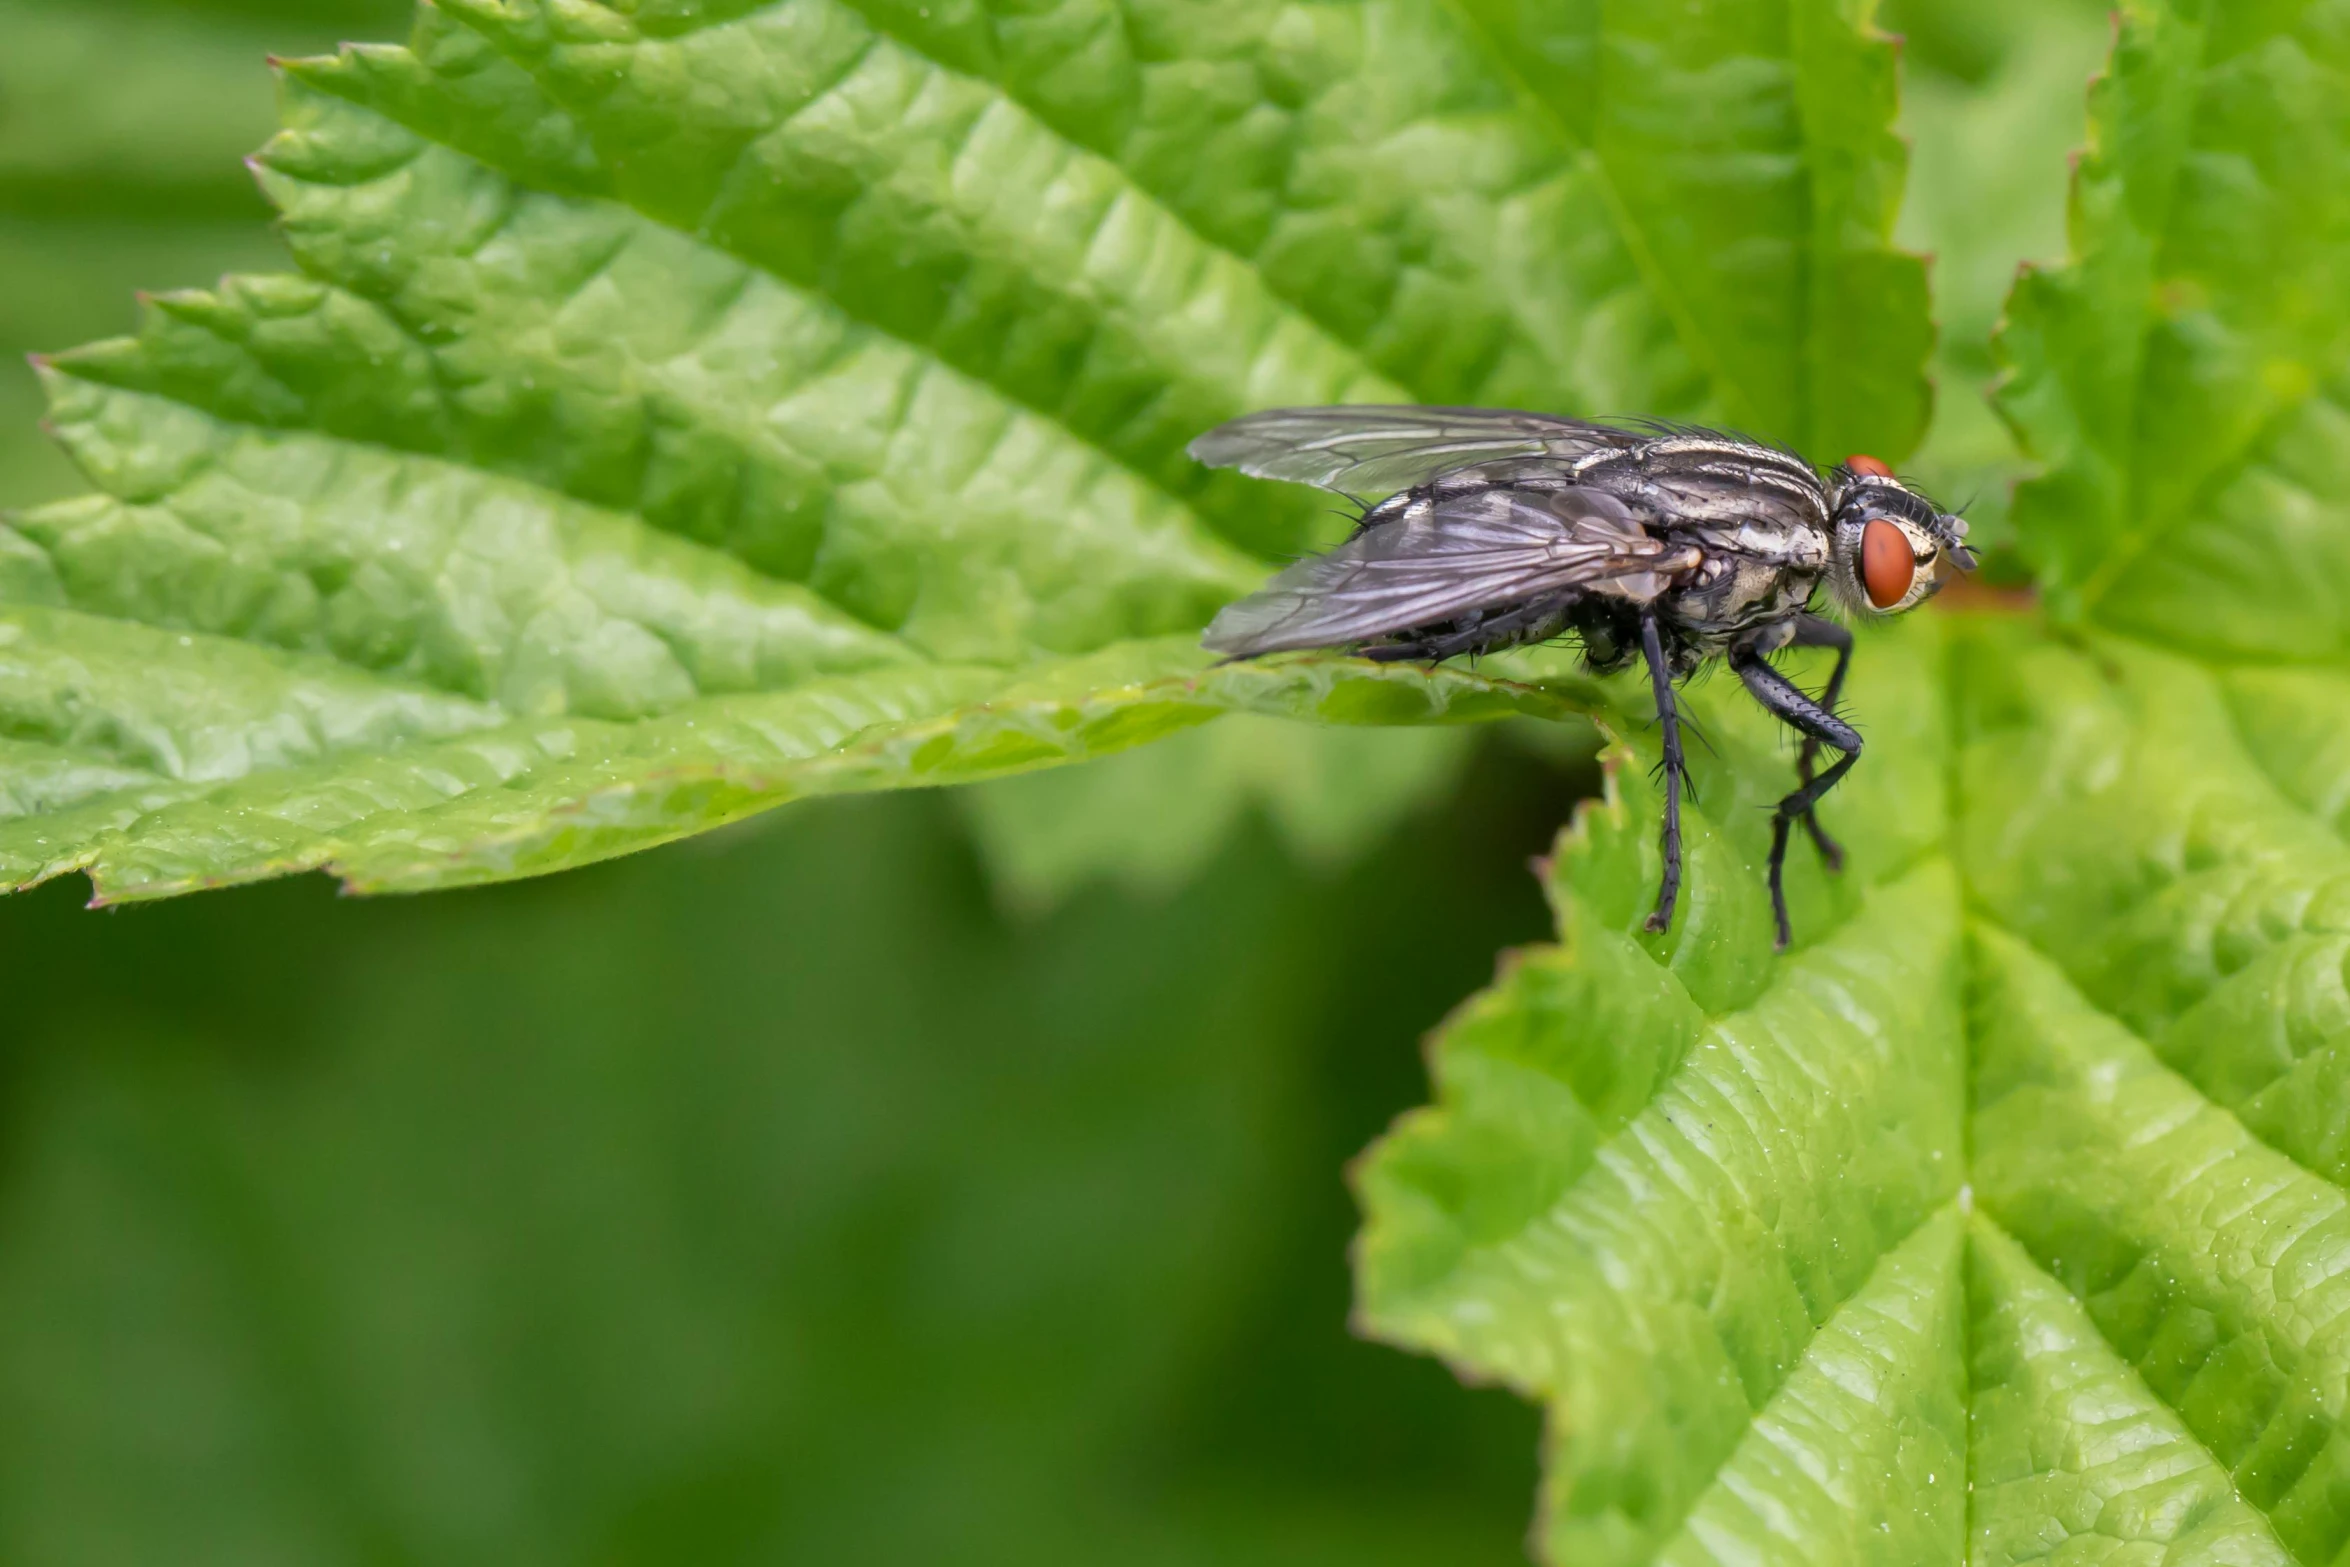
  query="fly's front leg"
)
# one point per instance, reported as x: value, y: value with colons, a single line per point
x: 1668, y: 717
x: 1814, y: 631
x: 1814, y: 722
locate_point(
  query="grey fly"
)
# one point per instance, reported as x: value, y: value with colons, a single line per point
x: 1484, y: 529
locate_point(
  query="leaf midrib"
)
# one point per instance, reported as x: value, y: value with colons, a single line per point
x: 1694, y: 340
x: 1973, y: 909
x: 1978, y: 912
x: 1614, y: 722
x: 1977, y: 1214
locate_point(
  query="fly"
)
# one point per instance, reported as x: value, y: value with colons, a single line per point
x: 1485, y: 529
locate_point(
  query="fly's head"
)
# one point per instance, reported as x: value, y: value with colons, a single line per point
x: 1891, y: 549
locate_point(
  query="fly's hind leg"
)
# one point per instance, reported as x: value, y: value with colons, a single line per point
x: 1814, y: 631
x: 1814, y: 722
x: 1668, y: 718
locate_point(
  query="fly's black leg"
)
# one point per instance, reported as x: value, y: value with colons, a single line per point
x: 1813, y: 631
x: 1668, y: 717
x: 1814, y: 722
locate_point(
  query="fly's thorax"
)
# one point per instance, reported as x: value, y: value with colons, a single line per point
x: 1761, y: 549
x: 1708, y: 479
x: 1790, y: 543
x: 1736, y: 590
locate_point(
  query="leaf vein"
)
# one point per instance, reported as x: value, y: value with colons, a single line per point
x: 1695, y: 341
x: 701, y: 233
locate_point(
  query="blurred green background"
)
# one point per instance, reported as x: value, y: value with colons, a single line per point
x: 893, y: 1180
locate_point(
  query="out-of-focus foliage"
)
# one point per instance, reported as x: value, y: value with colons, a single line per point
x: 776, y: 1203
x: 1148, y: 819
x: 1992, y: 101
x: 123, y: 126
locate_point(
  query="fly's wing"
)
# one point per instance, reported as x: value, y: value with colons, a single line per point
x: 1370, y: 451
x: 1442, y: 559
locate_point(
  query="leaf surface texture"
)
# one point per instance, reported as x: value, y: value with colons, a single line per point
x: 698, y: 407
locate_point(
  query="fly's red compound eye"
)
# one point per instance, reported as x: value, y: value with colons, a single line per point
x: 1887, y: 567
x: 1874, y: 467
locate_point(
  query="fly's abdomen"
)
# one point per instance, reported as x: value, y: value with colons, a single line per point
x: 1464, y: 568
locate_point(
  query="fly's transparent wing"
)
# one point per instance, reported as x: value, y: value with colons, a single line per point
x: 1370, y: 451
x: 1480, y: 551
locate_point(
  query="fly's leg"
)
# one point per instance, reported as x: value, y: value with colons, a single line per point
x: 1814, y: 631
x: 1814, y: 722
x: 1668, y: 717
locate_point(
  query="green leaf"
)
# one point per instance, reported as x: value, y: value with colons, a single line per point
x: 2072, y: 1442
x: 2131, y: 1186
x: 2181, y: 378
x: 2008, y: 1217
x: 1621, y: 1205
x: 469, y: 794
x: 704, y: 406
